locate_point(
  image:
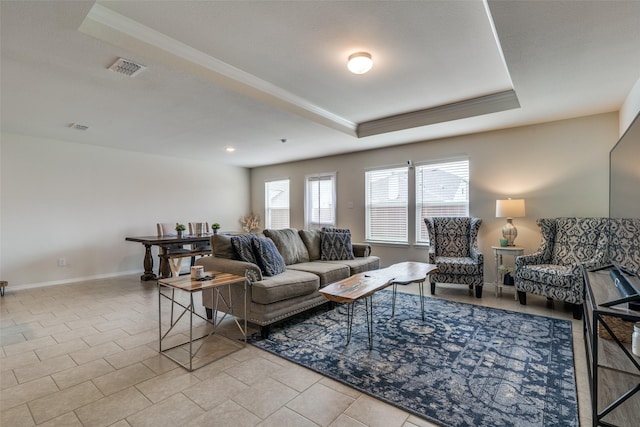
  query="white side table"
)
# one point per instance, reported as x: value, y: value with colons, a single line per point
x: 498, y: 252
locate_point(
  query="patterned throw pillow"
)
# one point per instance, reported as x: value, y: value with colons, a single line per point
x: 242, y: 245
x: 269, y: 259
x: 336, y: 244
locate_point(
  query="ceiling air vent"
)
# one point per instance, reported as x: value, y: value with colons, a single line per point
x: 126, y: 67
x: 78, y: 126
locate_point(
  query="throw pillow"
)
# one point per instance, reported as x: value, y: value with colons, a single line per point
x: 269, y: 259
x: 222, y: 247
x: 312, y: 240
x: 242, y: 245
x: 289, y: 244
x: 336, y: 244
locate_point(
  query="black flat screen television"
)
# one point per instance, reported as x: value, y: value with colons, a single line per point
x: 624, y: 174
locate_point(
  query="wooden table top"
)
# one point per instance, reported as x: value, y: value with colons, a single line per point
x: 185, y: 283
x: 364, y: 284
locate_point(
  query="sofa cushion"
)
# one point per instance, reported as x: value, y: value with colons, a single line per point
x: 312, y: 240
x: 243, y: 247
x: 222, y: 247
x: 360, y: 264
x: 286, y: 285
x: 289, y: 244
x: 336, y: 244
x: 267, y: 256
x: 326, y: 271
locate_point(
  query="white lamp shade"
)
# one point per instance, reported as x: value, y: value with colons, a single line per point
x: 359, y: 62
x: 510, y: 208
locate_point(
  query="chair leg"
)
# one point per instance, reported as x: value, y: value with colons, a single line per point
x: 264, y: 331
x: 577, y: 311
x: 478, y: 291
x: 522, y: 297
x: 549, y: 302
x: 433, y: 288
x: 209, y: 313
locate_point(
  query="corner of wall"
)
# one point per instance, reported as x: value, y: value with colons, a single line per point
x: 630, y: 108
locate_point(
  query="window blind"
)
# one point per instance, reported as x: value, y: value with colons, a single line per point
x: 442, y: 189
x: 277, y: 204
x: 386, y: 211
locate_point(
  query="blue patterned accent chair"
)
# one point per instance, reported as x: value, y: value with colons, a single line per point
x: 555, y: 270
x: 454, y: 249
x: 624, y: 244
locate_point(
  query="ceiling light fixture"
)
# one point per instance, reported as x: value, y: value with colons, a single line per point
x: 359, y: 62
x: 230, y: 149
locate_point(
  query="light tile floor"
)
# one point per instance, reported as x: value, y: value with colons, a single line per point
x: 86, y: 354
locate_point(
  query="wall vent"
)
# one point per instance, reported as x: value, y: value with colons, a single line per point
x: 126, y: 67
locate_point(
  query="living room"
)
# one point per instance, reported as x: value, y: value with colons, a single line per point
x: 68, y: 204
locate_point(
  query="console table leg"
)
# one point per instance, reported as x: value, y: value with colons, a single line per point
x: 148, y: 265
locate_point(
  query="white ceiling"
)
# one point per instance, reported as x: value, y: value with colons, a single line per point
x: 250, y: 73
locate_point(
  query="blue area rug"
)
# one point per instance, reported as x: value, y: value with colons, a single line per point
x: 464, y: 365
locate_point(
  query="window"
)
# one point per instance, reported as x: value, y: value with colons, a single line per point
x: 387, y: 205
x: 442, y: 189
x: 276, y: 204
x: 320, y: 201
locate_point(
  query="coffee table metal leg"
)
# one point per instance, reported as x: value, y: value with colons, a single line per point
x: 421, y: 289
x: 368, y: 302
x: 393, y: 300
x: 349, y: 320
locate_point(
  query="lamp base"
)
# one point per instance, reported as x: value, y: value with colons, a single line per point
x: 509, y: 232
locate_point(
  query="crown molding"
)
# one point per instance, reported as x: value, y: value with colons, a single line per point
x: 486, y: 104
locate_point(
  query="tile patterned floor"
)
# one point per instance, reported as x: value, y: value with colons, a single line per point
x: 85, y: 354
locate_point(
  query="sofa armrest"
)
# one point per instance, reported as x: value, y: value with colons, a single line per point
x: 361, y: 249
x: 232, y: 266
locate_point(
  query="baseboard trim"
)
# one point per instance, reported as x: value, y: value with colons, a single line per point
x: 69, y: 281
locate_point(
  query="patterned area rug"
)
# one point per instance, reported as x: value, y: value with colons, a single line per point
x: 464, y: 365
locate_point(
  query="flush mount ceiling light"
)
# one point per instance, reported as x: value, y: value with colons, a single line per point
x: 359, y: 62
x: 230, y: 149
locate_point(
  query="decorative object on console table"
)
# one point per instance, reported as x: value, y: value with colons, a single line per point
x: 215, y: 227
x: 180, y: 229
x: 250, y: 222
x: 510, y: 208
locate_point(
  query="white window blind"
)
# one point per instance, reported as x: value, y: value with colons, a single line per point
x: 387, y: 205
x: 276, y: 204
x: 442, y: 189
x: 320, y: 201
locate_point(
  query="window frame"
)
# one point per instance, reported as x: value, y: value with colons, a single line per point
x: 309, y: 180
x: 398, y: 234
x: 268, y: 216
x: 421, y: 236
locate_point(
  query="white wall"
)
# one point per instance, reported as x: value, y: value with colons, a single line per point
x: 79, y: 202
x: 560, y: 168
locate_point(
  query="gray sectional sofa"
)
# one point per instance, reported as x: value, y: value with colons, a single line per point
x: 310, y: 263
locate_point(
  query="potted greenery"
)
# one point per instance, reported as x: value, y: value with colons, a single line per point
x: 215, y: 227
x: 180, y: 229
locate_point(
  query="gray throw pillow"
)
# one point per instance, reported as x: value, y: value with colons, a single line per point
x: 243, y: 247
x: 221, y: 245
x: 312, y: 240
x: 289, y: 244
x: 268, y: 257
x: 336, y: 244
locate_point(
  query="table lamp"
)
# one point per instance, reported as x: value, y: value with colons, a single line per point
x: 510, y: 208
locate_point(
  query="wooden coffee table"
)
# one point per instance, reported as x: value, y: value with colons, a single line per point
x: 364, y: 285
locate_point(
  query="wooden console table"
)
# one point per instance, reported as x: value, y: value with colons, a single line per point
x: 614, y: 372
x: 149, y: 241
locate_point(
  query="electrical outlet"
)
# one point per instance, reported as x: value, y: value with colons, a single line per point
x: 62, y: 262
